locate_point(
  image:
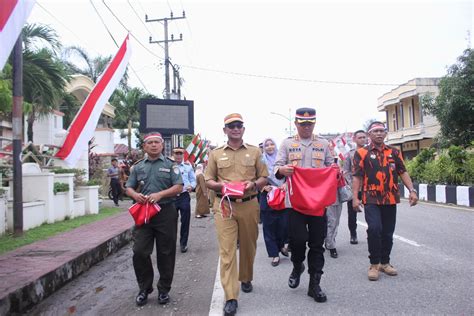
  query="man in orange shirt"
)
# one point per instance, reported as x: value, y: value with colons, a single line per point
x: 377, y: 167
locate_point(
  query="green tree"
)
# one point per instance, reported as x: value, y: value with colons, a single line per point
x: 89, y: 66
x: 454, y: 106
x: 126, y: 110
x: 44, y: 75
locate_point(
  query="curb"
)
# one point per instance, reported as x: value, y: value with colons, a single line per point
x: 32, y: 293
x: 443, y: 194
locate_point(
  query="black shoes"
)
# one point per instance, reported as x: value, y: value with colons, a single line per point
x: 184, y: 249
x: 142, y: 297
x: 333, y: 253
x: 230, y: 307
x: 314, y: 290
x: 246, y: 287
x: 294, y: 279
x: 354, y: 240
x: 163, y: 298
x: 284, y: 251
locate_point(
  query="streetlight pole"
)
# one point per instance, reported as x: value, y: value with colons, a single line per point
x: 288, y: 118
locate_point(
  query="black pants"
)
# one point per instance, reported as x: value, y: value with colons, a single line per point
x: 183, y: 205
x: 161, y: 230
x: 381, y: 225
x: 116, y: 189
x: 307, y: 229
x: 351, y: 219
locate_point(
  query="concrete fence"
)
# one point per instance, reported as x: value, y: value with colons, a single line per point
x: 440, y: 193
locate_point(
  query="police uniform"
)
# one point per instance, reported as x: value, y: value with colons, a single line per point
x: 155, y: 176
x: 183, y: 200
x: 305, y: 229
x: 229, y: 165
x: 351, y: 213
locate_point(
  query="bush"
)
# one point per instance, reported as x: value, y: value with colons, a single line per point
x: 92, y: 182
x: 78, y: 174
x: 60, y: 187
x: 454, y: 166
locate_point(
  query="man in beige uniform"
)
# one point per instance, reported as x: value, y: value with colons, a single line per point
x: 236, y: 161
x: 308, y: 151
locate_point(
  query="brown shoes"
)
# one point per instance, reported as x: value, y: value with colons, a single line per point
x: 373, y: 273
x: 388, y: 269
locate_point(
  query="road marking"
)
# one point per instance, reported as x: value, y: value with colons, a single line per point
x: 217, y: 301
x: 405, y: 240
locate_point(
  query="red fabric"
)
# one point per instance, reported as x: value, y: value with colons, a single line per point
x: 142, y: 213
x: 233, y: 189
x: 230, y: 189
x: 276, y: 199
x: 311, y: 190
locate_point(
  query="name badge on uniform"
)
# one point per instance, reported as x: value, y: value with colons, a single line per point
x: 164, y: 170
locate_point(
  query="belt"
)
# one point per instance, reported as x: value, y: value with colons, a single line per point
x: 182, y: 194
x: 248, y: 198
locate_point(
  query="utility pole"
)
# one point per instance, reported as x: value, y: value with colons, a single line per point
x: 17, y: 122
x: 166, y: 41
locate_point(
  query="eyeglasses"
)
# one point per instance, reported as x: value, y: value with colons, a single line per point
x: 177, y: 152
x: 234, y: 125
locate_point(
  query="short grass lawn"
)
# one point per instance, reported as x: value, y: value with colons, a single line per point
x: 8, y: 242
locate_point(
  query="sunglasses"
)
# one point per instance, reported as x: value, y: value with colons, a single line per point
x: 177, y: 152
x: 234, y: 125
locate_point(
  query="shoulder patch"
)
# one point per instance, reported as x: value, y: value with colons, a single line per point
x: 176, y: 169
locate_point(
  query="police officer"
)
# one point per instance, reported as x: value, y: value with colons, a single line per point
x: 183, y: 201
x: 160, y: 182
x: 236, y: 161
x: 309, y: 151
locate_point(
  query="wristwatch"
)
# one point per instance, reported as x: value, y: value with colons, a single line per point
x: 413, y: 190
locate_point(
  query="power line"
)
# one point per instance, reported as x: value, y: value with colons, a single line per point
x: 108, y: 31
x: 131, y: 34
x: 242, y: 74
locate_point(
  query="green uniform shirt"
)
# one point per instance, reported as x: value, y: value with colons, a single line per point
x: 157, y: 175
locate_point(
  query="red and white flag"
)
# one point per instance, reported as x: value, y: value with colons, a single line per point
x: 13, y: 15
x: 82, y: 128
x: 192, y: 158
x: 191, y: 146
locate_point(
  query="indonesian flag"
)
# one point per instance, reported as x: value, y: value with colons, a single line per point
x: 201, y: 154
x: 341, y: 146
x: 82, y: 128
x: 13, y: 15
x: 194, y: 155
x: 191, y: 146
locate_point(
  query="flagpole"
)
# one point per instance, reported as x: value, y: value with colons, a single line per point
x: 17, y: 122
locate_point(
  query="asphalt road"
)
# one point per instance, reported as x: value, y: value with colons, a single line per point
x: 433, y: 252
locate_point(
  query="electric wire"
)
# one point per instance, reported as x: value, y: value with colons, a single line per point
x: 108, y: 31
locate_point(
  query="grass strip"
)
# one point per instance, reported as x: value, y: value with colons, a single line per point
x: 8, y: 242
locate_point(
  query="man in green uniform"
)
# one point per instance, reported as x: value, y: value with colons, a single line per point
x: 236, y: 161
x: 160, y: 181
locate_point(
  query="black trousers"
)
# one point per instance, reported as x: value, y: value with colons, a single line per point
x: 116, y: 189
x: 351, y: 219
x: 162, y: 230
x: 183, y: 205
x: 311, y: 230
x: 381, y: 220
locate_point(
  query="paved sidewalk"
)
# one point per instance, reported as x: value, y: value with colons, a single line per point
x: 32, y: 272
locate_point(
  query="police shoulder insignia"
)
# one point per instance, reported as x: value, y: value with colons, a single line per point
x: 294, y: 145
x: 176, y: 169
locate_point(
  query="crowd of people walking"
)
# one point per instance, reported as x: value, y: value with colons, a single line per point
x: 238, y: 183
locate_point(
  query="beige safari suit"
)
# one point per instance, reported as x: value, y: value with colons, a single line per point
x: 229, y: 165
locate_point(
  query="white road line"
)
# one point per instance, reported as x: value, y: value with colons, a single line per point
x: 217, y: 301
x: 405, y: 240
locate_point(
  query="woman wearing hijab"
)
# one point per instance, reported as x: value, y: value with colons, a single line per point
x: 202, y: 201
x: 275, y: 223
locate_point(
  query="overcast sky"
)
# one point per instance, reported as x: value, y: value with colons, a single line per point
x: 256, y: 57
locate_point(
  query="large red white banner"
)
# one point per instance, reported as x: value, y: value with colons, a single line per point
x: 83, y: 126
x: 13, y: 15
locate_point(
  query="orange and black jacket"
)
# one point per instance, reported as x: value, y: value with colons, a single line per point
x: 379, y: 170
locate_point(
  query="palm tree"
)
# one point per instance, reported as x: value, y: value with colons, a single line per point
x: 126, y: 109
x: 44, y: 75
x: 91, y: 67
